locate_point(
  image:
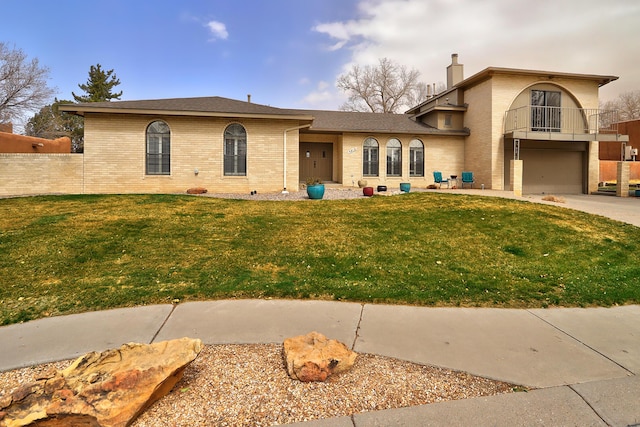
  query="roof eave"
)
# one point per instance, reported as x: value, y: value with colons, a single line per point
x: 491, y: 71
x: 70, y: 108
x: 425, y: 131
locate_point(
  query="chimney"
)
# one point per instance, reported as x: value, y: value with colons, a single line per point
x: 455, y: 72
x: 249, y: 98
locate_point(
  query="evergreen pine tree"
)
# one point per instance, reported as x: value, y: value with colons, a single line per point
x: 99, y: 86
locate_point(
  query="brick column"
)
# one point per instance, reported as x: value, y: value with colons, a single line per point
x: 623, y: 179
x: 515, y: 177
x: 594, y: 167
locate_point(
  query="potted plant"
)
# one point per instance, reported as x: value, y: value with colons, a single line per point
x: 315, y: 188
x: 362, y: 183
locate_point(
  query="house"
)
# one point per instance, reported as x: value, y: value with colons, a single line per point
x: 224, y: 145
x: 613, y: 152
x: 12, y: 143
x: 519, y: 130
x: 535, y: 130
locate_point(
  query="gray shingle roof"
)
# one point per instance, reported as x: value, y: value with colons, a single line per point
x: 211, y: 104
x: 346, y: 121
x: 323, y: 120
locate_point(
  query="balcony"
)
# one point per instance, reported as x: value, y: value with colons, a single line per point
x: 562, y: 124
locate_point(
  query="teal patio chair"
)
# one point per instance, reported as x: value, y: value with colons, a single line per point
x: 437, y: 178
x: 467, y: 178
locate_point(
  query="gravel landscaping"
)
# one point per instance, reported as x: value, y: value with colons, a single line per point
x: 247, y: 385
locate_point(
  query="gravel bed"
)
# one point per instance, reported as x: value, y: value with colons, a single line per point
x: 247, y: 385
x: 329, y: 194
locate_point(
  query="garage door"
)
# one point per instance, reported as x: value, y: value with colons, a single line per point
x: 552, y: 171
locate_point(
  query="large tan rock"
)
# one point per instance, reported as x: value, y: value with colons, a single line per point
x: 101, y: 389
x: 313, y: 357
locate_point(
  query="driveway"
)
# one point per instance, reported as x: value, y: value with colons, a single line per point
x: 624, y: 209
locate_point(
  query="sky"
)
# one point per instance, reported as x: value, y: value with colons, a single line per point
x: 289, y: 53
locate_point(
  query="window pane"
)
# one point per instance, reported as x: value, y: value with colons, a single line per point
x: 153, y: 144
x: 416, y: 158
x: 158, y: 127
x: 394, y: 143
x: 545, y: 111
x: 394, y: 158
x: 229, y: 147
x: 158, y: 155
x: 537, y: 97
x: 235, y: 150
x: 553, y: 99
x: 370, y: 157
x: 166, y: 164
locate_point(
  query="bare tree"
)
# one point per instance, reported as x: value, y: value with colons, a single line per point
x: 627, y: 105
x: 23, y: 84
x: 385, y: 88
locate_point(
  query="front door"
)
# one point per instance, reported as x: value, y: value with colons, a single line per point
x: 316, y: 161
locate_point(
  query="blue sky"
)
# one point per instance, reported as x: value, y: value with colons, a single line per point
x: 289, y: 53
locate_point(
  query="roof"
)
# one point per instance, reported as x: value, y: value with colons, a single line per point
x: 203, y: 106
x: 489, y: 72
x: 347, y: 121
x: 321, y: 120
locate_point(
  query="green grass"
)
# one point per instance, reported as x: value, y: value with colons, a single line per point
x: 68, y: 254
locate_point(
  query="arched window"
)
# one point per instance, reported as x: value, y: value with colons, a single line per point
x: 416, y: 158
x: 370, y: 157
x: 235, y: 150
x: 158, y: 148
x: 394, y: 157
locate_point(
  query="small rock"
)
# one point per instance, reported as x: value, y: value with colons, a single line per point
x: 196, y: 190
x: 107, y: 389
x: 313, y: 357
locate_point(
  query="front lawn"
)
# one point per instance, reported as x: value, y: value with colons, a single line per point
x: 68, y: 254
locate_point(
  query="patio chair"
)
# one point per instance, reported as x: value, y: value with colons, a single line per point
x: 437, y: 178
x: 467, y: 178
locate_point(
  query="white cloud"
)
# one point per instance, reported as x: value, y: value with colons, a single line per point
x: 218, y: 30
x: 582, y: 36
x: 325, y: 96
x: 323, y: 85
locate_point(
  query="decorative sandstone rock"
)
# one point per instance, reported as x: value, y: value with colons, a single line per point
x: 313, y: 357
x: 196, y: 190
x: 101, y: 389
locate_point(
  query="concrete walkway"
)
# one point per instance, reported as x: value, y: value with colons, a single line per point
x: 583, y: 362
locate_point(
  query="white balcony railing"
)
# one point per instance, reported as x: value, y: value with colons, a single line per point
x: 562, y: 120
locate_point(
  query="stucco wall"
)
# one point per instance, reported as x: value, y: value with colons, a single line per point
x: 115, y: 155
x: 12, y: 143
x: 23, y: 174
x: 609, y: 171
